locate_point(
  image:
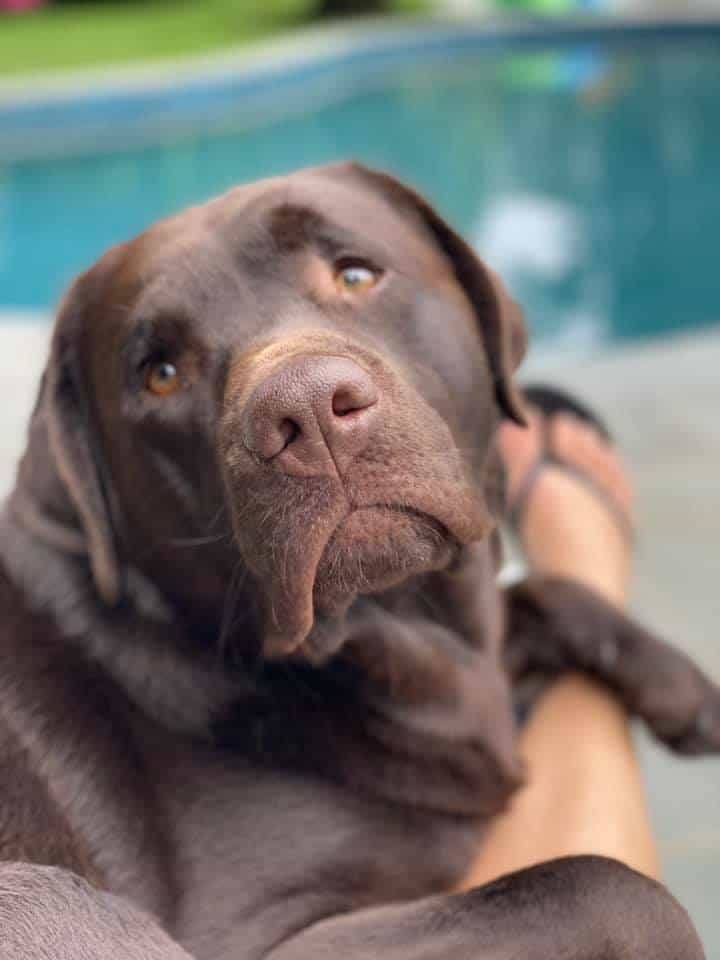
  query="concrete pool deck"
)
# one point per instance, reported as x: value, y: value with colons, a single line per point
x: 662, y: 400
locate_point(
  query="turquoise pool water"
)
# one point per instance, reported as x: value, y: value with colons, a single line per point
x: 586, y: 173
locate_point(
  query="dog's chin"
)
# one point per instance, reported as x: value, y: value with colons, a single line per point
x: 376, y: 548
x: 372, y: 550
x: 367, y: 551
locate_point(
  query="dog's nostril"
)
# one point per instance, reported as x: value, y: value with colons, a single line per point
x: 343, y: 403
x: 268, y: 437
x: 352, y: 399
x: 288, y: 431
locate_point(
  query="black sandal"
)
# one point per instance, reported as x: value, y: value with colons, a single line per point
x: 550, y: 401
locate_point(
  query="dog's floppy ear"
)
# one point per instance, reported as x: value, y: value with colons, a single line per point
x: 499, y: 316
x: 73, y: 442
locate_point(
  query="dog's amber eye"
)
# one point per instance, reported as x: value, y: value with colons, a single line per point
x: 356, y: 277
x: 162, y: 379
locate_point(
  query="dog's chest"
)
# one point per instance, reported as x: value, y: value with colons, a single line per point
x: 258, y: 854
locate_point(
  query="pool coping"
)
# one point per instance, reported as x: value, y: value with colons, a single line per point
x: 133, y: 106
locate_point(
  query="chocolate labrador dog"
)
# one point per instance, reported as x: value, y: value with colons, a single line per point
x: 256, y: 688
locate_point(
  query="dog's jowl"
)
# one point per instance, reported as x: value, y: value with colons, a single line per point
x: 256, y: 676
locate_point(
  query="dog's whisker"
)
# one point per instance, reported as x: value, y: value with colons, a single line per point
x: 197, y: 541
x: 229, y: 619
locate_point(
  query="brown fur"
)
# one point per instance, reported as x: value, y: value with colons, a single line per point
x: 273, y: 712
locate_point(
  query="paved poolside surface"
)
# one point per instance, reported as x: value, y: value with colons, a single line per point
x: 663, y: 402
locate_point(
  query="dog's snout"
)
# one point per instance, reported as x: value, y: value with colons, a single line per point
x: 313, y: 416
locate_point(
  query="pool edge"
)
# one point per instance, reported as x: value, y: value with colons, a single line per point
x: 148, y: 102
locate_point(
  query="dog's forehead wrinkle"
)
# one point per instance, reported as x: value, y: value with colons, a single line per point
x: 296, y: 225
x: 305, y: 203
x: 292, y: 223
x: 204, y: 315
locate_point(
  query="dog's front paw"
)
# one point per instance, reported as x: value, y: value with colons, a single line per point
x: 701, y: 732
x: 660, y: 684
x: 557, y: 626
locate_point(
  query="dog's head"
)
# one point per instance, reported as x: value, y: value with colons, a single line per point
x: 294, y: 386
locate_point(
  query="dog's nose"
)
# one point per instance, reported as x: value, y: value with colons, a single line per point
x: 313, y: 416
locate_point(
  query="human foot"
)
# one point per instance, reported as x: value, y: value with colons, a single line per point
x: 574, y: 513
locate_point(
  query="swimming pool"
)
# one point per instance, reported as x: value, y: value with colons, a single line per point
x: 583, y: 166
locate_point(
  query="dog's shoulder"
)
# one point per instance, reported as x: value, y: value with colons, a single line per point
x: 72, y: 788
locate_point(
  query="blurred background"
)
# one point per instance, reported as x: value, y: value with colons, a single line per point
x: 576, y: 143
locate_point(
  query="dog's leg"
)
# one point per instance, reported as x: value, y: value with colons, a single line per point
x: 556, y: 626
x: 580, y: 908
x: 47, y: 913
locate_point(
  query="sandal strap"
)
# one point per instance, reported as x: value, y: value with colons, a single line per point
x: 518, y: 508
x: 551, y: 401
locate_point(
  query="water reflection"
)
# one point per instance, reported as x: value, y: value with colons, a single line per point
x: 588, y: 179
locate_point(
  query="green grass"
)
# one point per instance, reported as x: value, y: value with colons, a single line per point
x: 91, y: 34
